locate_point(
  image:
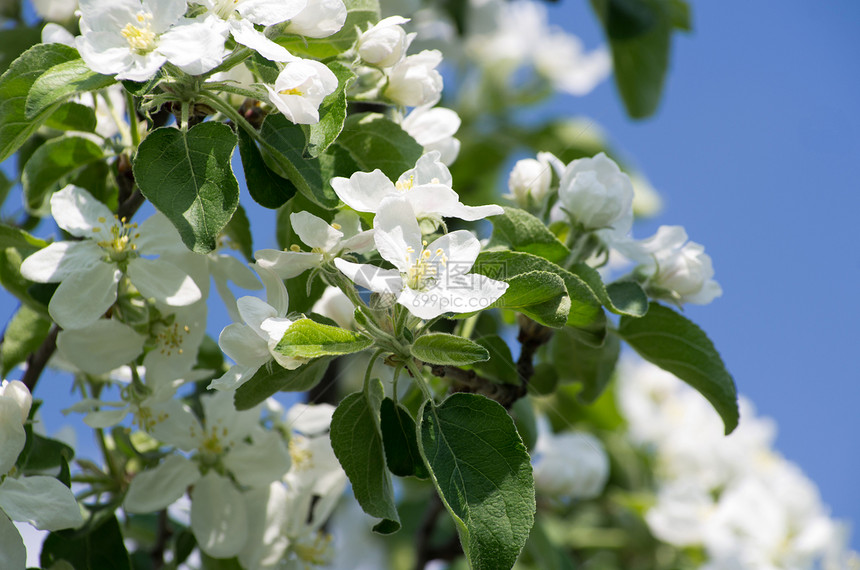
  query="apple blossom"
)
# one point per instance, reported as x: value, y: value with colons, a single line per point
x: 427, y: 188
x: 595, y: 194
x: 413, y: 81
x: 429, y: 280
x: 561, y: 58
x: 132, y: 39
x: 90, y: 270
x: 319, y: 19
x: 530, y: 179
x: 327, y: 241
x: 384, y: 43
x: 334, y: 304
x: 570, y: 464
x: 241, y: 15
x: 300, y: 88
x: 434, y: 129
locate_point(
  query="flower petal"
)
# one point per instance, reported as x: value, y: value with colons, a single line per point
x: 12, y: 551
x: 244, y: 33
x: 244, y: 345
x: 218, y: 516
x: 267, y: 510
x: 12, y: 435
x: 363, y: 191
x: 310, y: 420
x: 84, y: 297
x: 276, y: 291
x: 429, y: 169
x: 195, y: 47
x: 42, y: 501
x: 79, y: 213
x: 260, y: 463
x: 287, y: 264
x: 270, y: 12
x: 397, y: 236
x: 314, y: 231
x: 163, y: 281
x: 100, y: 419
x: 461, y: 247
x: 154, y: 489
x: 61, y: 259
x: 371, y: 277
x: 100, y: 347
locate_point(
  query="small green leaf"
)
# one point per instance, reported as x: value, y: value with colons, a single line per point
x: 53, y: 162
x: 373, y: 141
x: 356, y: 439
x: 20, y: 240
x: 102, y: 548
x: 265, y: 186
x: 332, y: 113
x: 60, y: 82
x: 620, y: 297
x: 23, y: 335
x: 308, y: 339
x: 400, y: 441
x: 73, y: 117
x: 483, y: 475
x: 585, y: 308
x: 540, y: 295
x: 187, y: 176
x: 442, y: 348
x: 677, y: 345
x: 577, y: 361
x: 272, y: 379
x: 15, y: 85
x: 521, y: 231
x: 15, y: 283
x: 360, y: 14
x: 45, y: 453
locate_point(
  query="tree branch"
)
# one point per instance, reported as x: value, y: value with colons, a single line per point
x: 36, y: 361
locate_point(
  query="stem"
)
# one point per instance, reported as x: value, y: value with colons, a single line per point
x: 111, y: 465
x: 368, y: 373
x: 415, y: 372
x: 132, y: 120
x: 468, y: 326
x: 239, y: 55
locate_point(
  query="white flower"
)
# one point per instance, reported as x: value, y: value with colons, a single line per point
x: 89, y: 270
x: 300, y: 88
x: 596, y: 194
x: 414, y: 81
x: 132, y: 39
x: 56, y: 34
x: 241, y: 15
x: 385, y: 43
x: 676, y: 269
x: 242, y: 451
x: 562, y: 59
x: 55, y: 10
x: 530, y: 179
x: 570, y: 465
x: 319, y: 19
x: 252, y: 344
x: 334, y: 304
x: 327, y: 241
x: 434, y: 129
x: 429, y: 280
x: 41, y: 501
x: 427, y: 188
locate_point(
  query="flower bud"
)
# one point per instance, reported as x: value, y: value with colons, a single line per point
x: 573, y: 465
x: 414, y: 81
x: 597, y: 194
x: 532, y: 178
x: 18, y: 392
x: 385, y: 43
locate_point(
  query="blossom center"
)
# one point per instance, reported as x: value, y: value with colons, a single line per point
x: 119, y: 245
x: 424, y: 271
x: 146, y: 419
x: 404, y: 185
x: 314, y: 551
x: 171, y: 337
x: 291, y: 91
x: 301, y: 456
x: 140, y: 36
x: 225, y: 8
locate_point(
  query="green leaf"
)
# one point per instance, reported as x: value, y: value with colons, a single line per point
x: 621, y: 297
x: 374, y: 141
x: 73, y: 117
x: 483, y: 475
x: 677, y: 345
x: 239, y: 232
x: 332, y: 113
x: 500, y: 366
x: 400, y: 441
x: 356, y: 439
x: 15, y: 84
x: 640, y: 37
x: 540, y: 295
x: 188, y: 177
x: 584, y: 306
x: 20, y: 240
x: 442, y: 348
x: 284, y: 143
x: 13, y: 42
x: 100, y: 549
x: 270, y: 380
x: 308, y: 339
x: 45, y: 453
x: 265, y: 186
x: 60, y: 82
x: 53, y: 162
x: 15, y: 283
x: 23, y: 335
x: 360, y: 13
x: 521, y: 231
x: 577, y: 361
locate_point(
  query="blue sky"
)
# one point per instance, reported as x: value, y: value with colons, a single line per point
x: 755, y: 151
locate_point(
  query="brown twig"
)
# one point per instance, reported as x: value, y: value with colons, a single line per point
x: 37, y: 361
